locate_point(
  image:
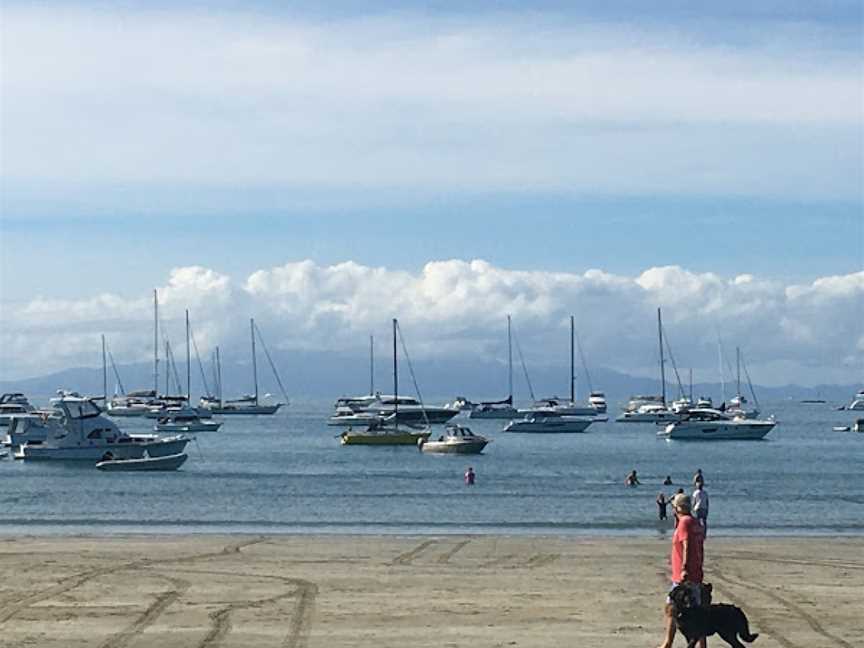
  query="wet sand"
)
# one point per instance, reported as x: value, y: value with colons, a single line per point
x: 335, y: 591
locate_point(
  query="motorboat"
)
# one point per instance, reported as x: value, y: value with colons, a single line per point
x: 167, y: 462
x: 461, y: 404
x: 13, y: 404
x: 651, y: 413
x: 857, y: 402
x: 457, y: 439
x: 638, y: 401
x: 842, y: 428
x: 185, y: 422
x: 385, y: 434
x: 546, y: 423
x: 133, y: 404
x: 712, y: 424
x: 597, y: 399
x: 171, y: 408
x: 387, y: 407
x: 346, y: 417
x: 80, y: 431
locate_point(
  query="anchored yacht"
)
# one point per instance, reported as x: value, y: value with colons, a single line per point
x: 549, y: 423
x: 714, y: 425
x: 457, y: 439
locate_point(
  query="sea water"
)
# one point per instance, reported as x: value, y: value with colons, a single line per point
x: 288, y: 474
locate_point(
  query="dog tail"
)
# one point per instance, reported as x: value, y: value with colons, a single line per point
x: 744, y: 633
x: 749, y: 637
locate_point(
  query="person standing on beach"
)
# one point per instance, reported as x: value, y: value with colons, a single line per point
x: 700, y: 507
x: 698, y: 479
x: 686, y: 561
x: 469, y: 476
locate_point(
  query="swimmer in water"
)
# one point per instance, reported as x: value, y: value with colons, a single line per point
x: 632, y: 479
x: 667, y: 481
x: 662, y: 502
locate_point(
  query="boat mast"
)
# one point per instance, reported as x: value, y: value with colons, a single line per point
x: 738, y: 365
x: 155, y: 343
x: 572, y: 362
x: 104, y: 373
x: 188, y: 363
x: 167, y: 369
x: 662, y: 367
x: 371, y: 365
x: 254, y: 359
x: 395, y: 378
x: 219, y: 376
x: 509, y: 363
x: 691, y: 385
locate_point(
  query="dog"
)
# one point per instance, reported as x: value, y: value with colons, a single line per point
x: 697, y: 617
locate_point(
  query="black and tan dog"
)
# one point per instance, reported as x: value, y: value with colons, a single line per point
x: 700, y: 618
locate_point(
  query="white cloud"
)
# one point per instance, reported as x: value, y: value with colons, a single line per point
x: 148, y: 99
x: 807, y: 333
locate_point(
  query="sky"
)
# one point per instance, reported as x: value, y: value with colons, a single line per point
x: 449, y: 165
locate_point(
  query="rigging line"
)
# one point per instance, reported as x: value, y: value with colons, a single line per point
x: 584, y: 362
x: 200, y: 364
x: 116, y: 373
x: 524, y: 367
x: 173, y: 364
x: 750, y: 383
x: 272, y: 366
x: 411, y: 370
x: 674, y: 366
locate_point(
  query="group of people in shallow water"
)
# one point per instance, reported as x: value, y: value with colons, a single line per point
x: 699, y: 498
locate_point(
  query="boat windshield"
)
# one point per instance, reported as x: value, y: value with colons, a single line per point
x: 80, y: 409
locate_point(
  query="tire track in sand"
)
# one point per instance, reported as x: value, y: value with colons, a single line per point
x: 153, y: 612
x: 408, y: 557
x: 789, y: 605
x: 447, y: 555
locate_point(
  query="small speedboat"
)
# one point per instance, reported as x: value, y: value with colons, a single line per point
x: 185, y: 423
x: 457, y: 439
x: 169, y: 462
x: 841, y: 428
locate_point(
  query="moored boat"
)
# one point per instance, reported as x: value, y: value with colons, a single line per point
x: 168, y: 462
x: 385, y: 435
x: 183, y: 422
x: 457, y: 439
x: 553, y: 424
x: 714, y: 425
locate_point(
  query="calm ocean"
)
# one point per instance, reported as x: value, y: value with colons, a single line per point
x: 288, y: 474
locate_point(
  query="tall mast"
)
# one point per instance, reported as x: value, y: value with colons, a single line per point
x: 509, y: 363
x: 188, y: 363
x: 691, y: 384
x: 572, y: 361
x: 254, y: 359
x: 167, y: 369
x: 104, y: 373
x: 371, y: 365
x: 219, y: 375
x: 156, y: 343
x: 395, y: 378
x: 738, y: 363
x: 662, y: 366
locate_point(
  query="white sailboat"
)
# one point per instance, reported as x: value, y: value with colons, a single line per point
x: 738, y: 404
x: 248, y: 404
x: 502, y: 409
x: 651, y: 409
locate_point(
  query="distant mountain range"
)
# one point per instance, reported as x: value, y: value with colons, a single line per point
x: 322, y: 376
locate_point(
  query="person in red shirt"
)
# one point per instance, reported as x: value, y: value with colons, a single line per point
x: 686, y: 560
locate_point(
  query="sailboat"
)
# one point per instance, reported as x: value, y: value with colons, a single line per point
x: 502, y: 409
x: 388, y: 431
x: 737, y: 406
x: 651, y: 409
x: 248, y: 404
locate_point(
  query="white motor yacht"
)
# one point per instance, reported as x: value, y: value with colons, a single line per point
x: 714, y: 425
x: 650, y: 413
x: 540, y: 423
x: 136, y: 403
x: 638, y: 401
x: 80, y: 431
x: 857, y: 402
x: 457, y: 439
x: 497, y: 410
x: 13, y: 404
x: 245, y: 405
x: 168, y: 462
x: 185, y: 422
x: 597, y: 399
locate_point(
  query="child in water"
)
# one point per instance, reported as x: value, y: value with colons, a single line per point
x: 469, y: 476
x: 661, y: 506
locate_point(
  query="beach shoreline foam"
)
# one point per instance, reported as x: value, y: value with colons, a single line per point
x: 259, y: 591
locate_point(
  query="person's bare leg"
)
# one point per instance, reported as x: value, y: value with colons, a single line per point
x: 703, y: 643
x: 671, y: 627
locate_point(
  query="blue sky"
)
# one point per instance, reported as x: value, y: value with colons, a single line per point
x: 138, y: 138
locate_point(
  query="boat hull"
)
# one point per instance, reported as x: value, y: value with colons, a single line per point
x: 389, y: 438
x: 252, y: 410
x: 716, y: 431
x: 133, y: 450
x: 499, y: 413
x: 652, y: 417
x: 170, y: 462
x: 558, y: 425
x: 468, y: 447
x: 185, y: 429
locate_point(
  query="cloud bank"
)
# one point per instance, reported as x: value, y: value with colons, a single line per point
x: 808, y: 333
x: 142, y: 102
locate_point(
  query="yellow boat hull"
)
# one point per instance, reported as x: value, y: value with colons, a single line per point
x: 389, y: 438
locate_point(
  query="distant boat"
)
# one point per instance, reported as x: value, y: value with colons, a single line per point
x: 184, y: 422
x: 502, y: 409
x: 248, y: 404
x: 816, y: 401
x: 857, y: 403
x: 13, y: 404
x: 390, y: 433
x: 550, y: 424
x: 169, y: 462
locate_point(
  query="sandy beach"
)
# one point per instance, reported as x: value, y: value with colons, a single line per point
x: 333, y: 591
